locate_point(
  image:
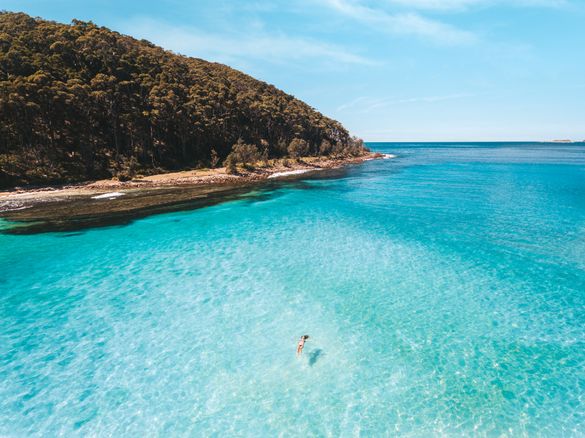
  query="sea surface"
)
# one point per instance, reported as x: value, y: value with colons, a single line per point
x: 443, y: 292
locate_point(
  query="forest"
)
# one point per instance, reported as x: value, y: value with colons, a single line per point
x: 81, y: 102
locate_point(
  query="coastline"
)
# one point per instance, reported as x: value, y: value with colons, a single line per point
x: 217, y: 176
x: 110, y: 202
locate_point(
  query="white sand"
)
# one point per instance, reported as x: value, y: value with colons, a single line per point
x: 111, y: 195
x: 290, y: 172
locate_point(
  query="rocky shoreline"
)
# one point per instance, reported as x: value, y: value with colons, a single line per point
x: 110, y: 202
x: 275, y: 168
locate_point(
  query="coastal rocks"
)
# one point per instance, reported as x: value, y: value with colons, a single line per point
x: 110, y: 202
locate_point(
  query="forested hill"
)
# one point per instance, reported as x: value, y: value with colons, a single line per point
x: 80, y: 102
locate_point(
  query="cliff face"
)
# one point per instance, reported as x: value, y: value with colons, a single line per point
x: 79, y: 102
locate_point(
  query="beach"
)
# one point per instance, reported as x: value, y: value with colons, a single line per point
x: 275, y: 168
x: 106, y: 202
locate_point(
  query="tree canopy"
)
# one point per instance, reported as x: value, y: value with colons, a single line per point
x: 81, y: 102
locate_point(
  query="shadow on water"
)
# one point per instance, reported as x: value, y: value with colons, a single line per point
x: 315, y: 355
x: 71, y: 234
x: 76, y: 213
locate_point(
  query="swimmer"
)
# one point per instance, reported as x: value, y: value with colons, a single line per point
x: 301, y: 344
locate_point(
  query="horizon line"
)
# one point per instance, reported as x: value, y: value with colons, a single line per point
x: 477, y: 141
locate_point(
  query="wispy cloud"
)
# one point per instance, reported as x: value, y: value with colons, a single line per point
x: 366, y: 104
x: 458, y: 5
x: 409, y: 23
x: 277, y: 48
x: 435, y: 4
x: 354, y: 103
x: 403, y: 17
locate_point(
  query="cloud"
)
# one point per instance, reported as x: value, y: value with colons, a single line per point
x: 366, y: 104
x: 226, y: 48
x: 455, y: 5
x: 402, y: 23
x: 406, y: 21
x: 354, y: 103
x: 436, y: 4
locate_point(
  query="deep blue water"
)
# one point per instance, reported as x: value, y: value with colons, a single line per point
x: 444, y: 293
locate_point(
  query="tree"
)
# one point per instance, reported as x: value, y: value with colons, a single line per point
x: 231, y: 166
x: 242, y: 153
x: 214, y: 161
x: 80, y: 101
x: 356, y: 147
x: 325, y: 147
x: 298, y: 148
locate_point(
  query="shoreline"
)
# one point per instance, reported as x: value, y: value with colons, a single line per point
x: 111, y: 202
x: 217, y: 176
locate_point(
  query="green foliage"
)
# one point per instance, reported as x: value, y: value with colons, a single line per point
x: 298, y: 148
x: 230, y: 166
x: 80, y: 101
x: 265, y: 152
x: 354, y: 147
x: 325, y: 148
x: 242, y: 153
x: 214, y: 159
x: 125, y: 169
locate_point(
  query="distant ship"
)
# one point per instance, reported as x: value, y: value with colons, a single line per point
x: 562, y: 141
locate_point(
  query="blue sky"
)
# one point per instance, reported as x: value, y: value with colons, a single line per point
x: 396, y: 70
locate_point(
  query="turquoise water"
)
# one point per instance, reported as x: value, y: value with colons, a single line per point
x: 444, y: 293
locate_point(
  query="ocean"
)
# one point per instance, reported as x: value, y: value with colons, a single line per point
x: 443, y: 292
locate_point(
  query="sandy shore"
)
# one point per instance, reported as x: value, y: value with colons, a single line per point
x: 100, y: 189
x: 111, y: 202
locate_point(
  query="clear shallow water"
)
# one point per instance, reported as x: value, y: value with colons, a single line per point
x: 444, y: 293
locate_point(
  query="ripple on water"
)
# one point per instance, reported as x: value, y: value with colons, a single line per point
x: 440, y: 300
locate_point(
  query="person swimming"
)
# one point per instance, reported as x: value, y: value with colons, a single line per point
x: 301, y: 344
